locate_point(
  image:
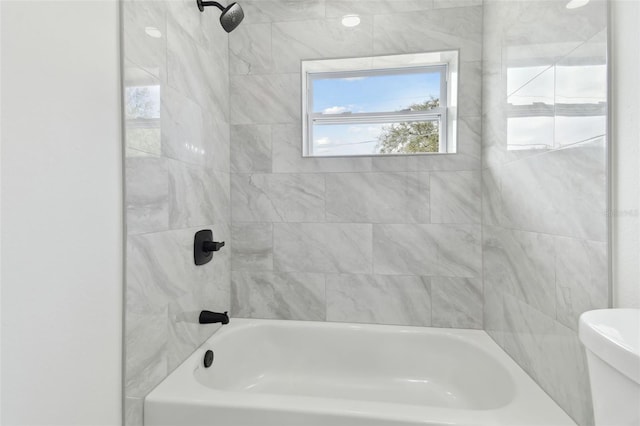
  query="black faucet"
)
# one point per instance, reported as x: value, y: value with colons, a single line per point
x: 208, y: 317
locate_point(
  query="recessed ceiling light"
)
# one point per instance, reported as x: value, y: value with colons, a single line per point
x: 350, y: 20
x: 153, y: 32
x: 574, y: 4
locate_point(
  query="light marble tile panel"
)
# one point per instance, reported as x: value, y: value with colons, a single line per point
x: 562, y: 192
x: 133, y: 411
x: 438, y: 29
x: 441, y: 4
x: 142, y: 106
x: 493, y: 311
x: 265, y: 99
x: 250, y: 49
x: 455, y: 197
x: 491, y: 197
x: 582, y: 281
x: 192, y: 70
x: 377, y: 197
x: 318, y: 39
x: 564, y: 374
x: 292, y: 296
x: 146, y: 363
x: 190, y: 195
x: 456, y: 302
x: 282, y: 10
x: 278, y: 197
x: 182, y: 128
x: 139, y: 48
x: 287, y: 155
x: 340, y: 8
x: 217, y: 143
x: 379, y: 299
x: 252, y: 246
x: 251, y: 149
x: 147, y: 196
x: 322, y: 247
x: 470, y: 89
x: 429, y: 250
x: 521, y: 264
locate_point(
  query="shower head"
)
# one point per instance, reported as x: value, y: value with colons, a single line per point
x: 231, y: 15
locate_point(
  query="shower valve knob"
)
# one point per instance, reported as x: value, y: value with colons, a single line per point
x: 212, y: 245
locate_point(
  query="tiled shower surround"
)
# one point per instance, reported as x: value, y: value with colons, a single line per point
x: 392, y: 240
x: 177, y: 182
x: 508, y: 234
x: 545, y: 187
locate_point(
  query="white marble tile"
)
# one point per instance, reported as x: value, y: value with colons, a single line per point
x: 217, y: 143
x: 142, y: 108
x: 293, y: 296
x: 429, y: 250
x: 250, y: 49
x: 278, y: 197
x: 252, y: 246
x: 282, y: 10
x: 493, y: 311
x: 318, y: 39
x: 146, y: 362
x: 197, y: 72
x: 441, y: 4
x: 456, y: 302
x: 140, y: 48
x: 190, y: 195
x: 379, y: 299
x: 491, y: 207
x: 182, y: 128
x: 265, y: 99
x: 431, y: 30
x: 133, y: 411
x: 377, y: 197
x: 320, y: 247
x: 147, y: 195
x: 582, y: 281
x: 340, y: 8
x: 564, y: 374
x: 470, y: 89
x: 287, y: 155
x: 522, y: 265
x: 455, y: 197
x: 251, y: 149
x: 562, y: 192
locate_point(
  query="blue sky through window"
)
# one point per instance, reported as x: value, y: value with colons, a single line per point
x: 376, y: 93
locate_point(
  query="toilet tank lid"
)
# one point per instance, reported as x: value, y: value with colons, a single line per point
x: 614, y: 336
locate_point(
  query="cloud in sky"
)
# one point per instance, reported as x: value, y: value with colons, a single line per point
x: 335, y: 110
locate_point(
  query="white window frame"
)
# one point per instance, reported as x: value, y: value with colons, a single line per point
x: 313, y: 70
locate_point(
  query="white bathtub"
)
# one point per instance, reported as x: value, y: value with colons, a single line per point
x: 293, y: 373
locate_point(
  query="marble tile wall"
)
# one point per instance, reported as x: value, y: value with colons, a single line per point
x: 544, y: 187
x: 391, y: 240
x: 176, y: 82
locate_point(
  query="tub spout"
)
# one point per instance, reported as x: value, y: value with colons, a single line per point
x: 208, y: 317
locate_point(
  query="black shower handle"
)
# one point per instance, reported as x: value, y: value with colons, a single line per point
x: 212, y: 245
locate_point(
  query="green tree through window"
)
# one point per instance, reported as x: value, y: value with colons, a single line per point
x: 411, y: 137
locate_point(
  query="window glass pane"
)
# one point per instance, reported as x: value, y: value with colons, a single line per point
x: 405, y: 137
x: 405, y: 91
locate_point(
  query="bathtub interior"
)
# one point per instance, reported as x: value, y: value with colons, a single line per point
x: 357, y: 362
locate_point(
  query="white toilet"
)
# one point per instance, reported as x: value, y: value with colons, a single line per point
x: 612, y: 340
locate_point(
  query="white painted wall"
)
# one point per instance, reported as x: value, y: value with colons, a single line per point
x: 61, y: 211
x: 625, y: 33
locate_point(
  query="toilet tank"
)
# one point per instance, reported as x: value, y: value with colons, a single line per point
x: 612, y: 340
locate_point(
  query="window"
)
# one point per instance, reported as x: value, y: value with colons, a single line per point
x: 386, y: 105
